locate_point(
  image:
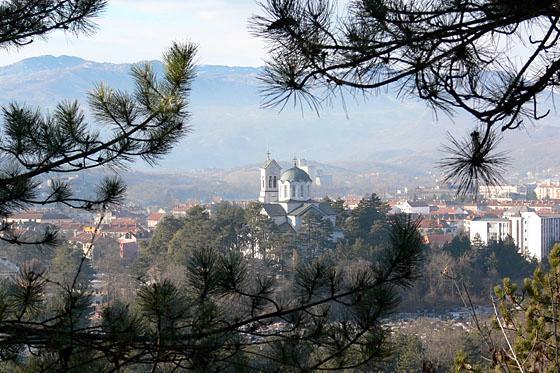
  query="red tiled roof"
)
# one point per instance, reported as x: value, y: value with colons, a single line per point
x: 439, y: 239
x: 123, y: 221
x: 157, y: 216
x: 429, y: 223
x: 448, y: 211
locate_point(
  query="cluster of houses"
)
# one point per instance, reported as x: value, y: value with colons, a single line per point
x: 121, y: 230
x: 286, y: 198
x: 124, y: 228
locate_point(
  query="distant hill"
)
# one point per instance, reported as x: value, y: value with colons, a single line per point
x: 231, y: 130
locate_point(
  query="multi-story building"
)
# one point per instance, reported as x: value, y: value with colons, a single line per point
x: 533, y: 232
x: 550, y: 190
x: 516, y: 230
x: 497, y: 191
x: 488, y: 229
x: 540, y: 232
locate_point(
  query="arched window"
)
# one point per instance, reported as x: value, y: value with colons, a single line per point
x: 270, y: 181
x: 301, y: 190
x: 274, y: 182
x: 293, y: 191
x: 285, y: 191
x: 263, y: 182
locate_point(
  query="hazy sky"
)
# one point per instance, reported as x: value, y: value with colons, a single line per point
x: 132, y: 30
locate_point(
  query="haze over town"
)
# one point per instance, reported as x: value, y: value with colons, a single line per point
x: 157, y: 195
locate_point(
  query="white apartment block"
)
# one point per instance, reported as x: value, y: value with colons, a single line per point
x: 534, y: 233
x: 489, y: 229
x: 540, y: 232
x: 550, y: 190
x: 497, y: 191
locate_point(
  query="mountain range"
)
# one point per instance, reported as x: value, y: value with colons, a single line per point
x: 230, y: 129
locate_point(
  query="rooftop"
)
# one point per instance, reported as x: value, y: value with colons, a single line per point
x: 270, y: 162
x: 295, y: 174
x: 273, y: 209
x: 490, y: 218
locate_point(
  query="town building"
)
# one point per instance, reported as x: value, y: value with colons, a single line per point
x: 540, y: 232
x: 516, y: 229
x: 39, y: 217
x: 412, y: 207
x: 155, y: 217
x: 286, y: 196
x: 489, y: 229
x: 498, y: 191
x: 182, y: 209
x: 534, y: 232
x: 548, y: 190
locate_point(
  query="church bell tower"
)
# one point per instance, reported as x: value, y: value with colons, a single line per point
x: 270, y: 176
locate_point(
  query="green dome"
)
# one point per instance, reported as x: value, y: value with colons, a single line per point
x: 295, y: 174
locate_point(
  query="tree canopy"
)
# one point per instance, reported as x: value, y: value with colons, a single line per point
x: 23, y: 20
x: 229, y: 312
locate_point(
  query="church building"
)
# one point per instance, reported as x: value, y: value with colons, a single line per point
x: 286, y: 196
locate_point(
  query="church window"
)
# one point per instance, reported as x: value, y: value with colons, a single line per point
x: 301, y: 190
x: 286, y: 191
x: 274, y: 182
x: 263, y: 182
x: 293, y: 191
x: 270, y: 181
